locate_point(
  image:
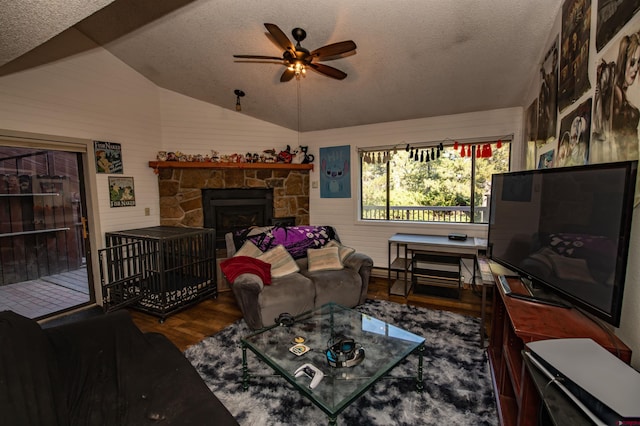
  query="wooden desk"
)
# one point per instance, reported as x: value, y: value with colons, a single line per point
x: 406, y: 244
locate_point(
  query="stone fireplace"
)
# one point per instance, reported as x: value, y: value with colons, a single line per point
x: 181, y: 190
x: 181, y: 186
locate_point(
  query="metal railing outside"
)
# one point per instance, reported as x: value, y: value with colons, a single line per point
x: 455, y: 214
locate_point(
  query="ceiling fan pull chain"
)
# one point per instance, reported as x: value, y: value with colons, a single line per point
x: 299, y: 106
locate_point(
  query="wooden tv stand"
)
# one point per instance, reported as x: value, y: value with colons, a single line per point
x: 516, y: 322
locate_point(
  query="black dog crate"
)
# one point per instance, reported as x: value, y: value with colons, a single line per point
x: 122, y: 275
x: 178, y: 268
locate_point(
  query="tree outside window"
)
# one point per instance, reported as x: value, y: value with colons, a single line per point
x: 452, y: 187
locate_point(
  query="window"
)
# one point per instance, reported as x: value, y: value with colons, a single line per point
x: 431, y: 183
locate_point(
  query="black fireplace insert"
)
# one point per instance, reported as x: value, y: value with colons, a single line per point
x: 227, y: 210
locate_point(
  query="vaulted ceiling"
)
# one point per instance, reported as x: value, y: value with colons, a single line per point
x: 414, y: 58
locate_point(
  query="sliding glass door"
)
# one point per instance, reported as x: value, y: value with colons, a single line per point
x: 43, y: 240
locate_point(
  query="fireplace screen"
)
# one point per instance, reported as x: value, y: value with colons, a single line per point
x: 226, y: 210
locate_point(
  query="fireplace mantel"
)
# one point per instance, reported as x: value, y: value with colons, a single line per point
x: 212, y: 165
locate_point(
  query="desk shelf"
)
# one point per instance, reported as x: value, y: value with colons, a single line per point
x: 436, y: 274
x: 401, y: 267
x: 400, y: 264
x: 398, y: 270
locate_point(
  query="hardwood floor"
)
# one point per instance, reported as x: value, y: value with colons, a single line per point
x: 212, y: 315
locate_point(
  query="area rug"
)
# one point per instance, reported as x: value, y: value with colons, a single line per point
x: 457, y: 391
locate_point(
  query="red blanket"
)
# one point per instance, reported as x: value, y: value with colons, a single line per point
x: 235, y: 266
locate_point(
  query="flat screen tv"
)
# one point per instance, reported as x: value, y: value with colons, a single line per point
x: 566, y: 230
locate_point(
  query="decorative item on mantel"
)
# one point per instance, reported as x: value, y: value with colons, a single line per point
x: 301, y: 156
x: 269, y: 158
x: 285, y: 156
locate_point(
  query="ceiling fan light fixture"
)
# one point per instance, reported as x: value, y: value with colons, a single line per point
x: 297, y: 59
x: 297, y: 68
x: 239, y: 93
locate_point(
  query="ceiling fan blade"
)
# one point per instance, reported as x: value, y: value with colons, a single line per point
x: 334, y: 49
x: 257, y: 57
x: 328, y: 71
x: 287, y: 75
x: 280, y: 37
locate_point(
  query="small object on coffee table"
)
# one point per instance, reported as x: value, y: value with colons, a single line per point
x: 285, y: 319
x: 312, y: 372
x: 299, y: 349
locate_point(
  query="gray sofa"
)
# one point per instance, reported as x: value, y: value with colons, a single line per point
x: 297, y: 292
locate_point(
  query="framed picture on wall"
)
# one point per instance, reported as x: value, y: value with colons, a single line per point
x: 548, y: 95
x: 530, y: 132
x: 616, y: 99
x: 574, y: 51
x: 612, y: 16
x: 121, y: 192
x: 108, y: 157
x: 335, y: 172
x: 546, y: 155
x: 575, y: 137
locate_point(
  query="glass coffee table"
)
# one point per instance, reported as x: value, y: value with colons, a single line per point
x: 384, y: 344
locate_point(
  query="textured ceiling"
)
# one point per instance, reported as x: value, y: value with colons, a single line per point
x: 29, y: 23
x: 415, y: 58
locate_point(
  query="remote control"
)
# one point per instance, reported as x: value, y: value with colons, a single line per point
x: 505, y: 284
x: 312, y: 372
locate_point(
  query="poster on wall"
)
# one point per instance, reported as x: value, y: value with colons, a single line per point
x: 530, y: 133
x: 121, y: 192
x: 616, y: 99
x: 548, y: 96
x: 335, y: 172
x: 546, y: 155
x: 575, y: 131
x: 108, y: 157
x: 531, y: 155
x: 612, y: 16
x: 574, y: 54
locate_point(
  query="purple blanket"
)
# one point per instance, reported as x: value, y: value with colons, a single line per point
x: 296, y: 239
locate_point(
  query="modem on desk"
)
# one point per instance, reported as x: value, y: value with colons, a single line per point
x: 457, y: 237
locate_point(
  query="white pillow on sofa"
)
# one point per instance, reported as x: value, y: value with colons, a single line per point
x: 248, y: 249
x: 280, y: 260
x: 344, y: 251
x: 324, y: 259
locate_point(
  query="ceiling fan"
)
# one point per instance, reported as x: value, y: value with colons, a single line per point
x: 297, y: 59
